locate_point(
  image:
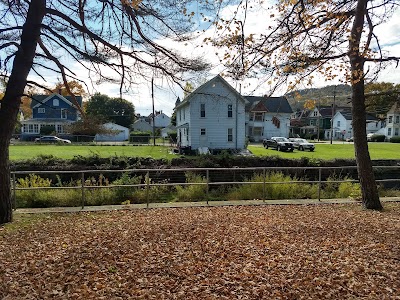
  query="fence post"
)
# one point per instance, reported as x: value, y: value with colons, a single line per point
x: 208, y: 180
x: 14, y: 193
x: 319, y: 183
x: 83, y: 189
x: 147, y: 188
x: 264, y: 187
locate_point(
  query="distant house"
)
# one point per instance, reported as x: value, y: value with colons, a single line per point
x: 343, y: 124
x: 161, y: 120
x: 267, y: 117
x: 169, y: 129
x: 141, y: 125
x: 212, y: 116
x: 120, y: 134
x: 393, y: 121
x: 50, y: 110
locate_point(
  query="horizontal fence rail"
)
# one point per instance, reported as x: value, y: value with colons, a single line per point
x: 207, y: 178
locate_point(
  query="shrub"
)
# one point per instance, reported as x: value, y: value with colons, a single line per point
x: 192, y: 192
x: 273, y: 190
x: 140, y: 137
x: 395, y: 139
x: 378, y: 138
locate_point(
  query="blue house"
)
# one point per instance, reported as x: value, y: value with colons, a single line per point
x: 50, y: 110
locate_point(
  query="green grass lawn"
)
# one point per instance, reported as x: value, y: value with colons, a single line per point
x: 322, y: 151
x: 329, y: 152
x: 18, y: 152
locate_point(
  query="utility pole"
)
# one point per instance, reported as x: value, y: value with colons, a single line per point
x: 319, y: 115
x: 333, y: 111
x: 152, y: 99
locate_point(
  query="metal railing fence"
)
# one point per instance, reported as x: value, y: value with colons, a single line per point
x: 211, y: 177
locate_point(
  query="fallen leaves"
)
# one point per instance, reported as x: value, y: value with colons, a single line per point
x: 271, y: 252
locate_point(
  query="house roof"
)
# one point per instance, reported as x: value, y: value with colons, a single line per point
x: 202, y: 87
x: 38, y: 100
x: 395, y: 109
x: 268, y: 104
x: 348, y: 116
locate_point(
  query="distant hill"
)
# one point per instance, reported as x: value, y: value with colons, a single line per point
x: 324, y: 95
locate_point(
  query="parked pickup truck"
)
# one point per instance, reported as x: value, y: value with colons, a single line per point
x: 278, y: 143
x: 302, y: 144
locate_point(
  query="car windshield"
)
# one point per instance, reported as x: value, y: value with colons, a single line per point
x: 301, y: 141
x: 281, y: 140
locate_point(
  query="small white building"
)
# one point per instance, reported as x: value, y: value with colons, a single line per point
x: 141, y: 125
x: 267, y: 117
x: 393, y: 121
x: 120, y: 134
x: 212, y: 116
x: 161, y: 120
x: 343, y: 125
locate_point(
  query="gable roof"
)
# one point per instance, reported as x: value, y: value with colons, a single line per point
x: 349, y: 117
x: 38, y: 100
x: 395, y: 109
x: 200, y: 89
x: 271, y: 104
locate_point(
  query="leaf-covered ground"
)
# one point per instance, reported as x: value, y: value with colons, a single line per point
x: 269, y: 252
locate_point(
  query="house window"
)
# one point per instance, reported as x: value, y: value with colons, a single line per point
x: 30, y: 128
x: 258, y: 117
x: 390, y: 119
x: 396, y: 132
x: 56, y: 102
x: 229, y: 110
x: 338, y: 123
x: 389, y: 131
x: 63, y: 114
x: 397, y: 119
x: 180, y: 115
x: 230, y: 134
x: 25, y: 128
x: 315, y: 114
x: 312, y: 122
x: 187, y: 134
x: 251, y: 117
x: 202, y: 131
x: 36, y: 128
x: 60, y: 128
x: 184, y: 115
x: 257, y: 131
x: 41, y: 110
x: 202, y: 110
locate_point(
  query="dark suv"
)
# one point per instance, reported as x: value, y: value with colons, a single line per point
x: 278, y: 143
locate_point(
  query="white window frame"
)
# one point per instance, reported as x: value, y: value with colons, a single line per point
x: 230, y: 111
x: 56, y: 102
x: 202, y: 110
x: 230, y: 134
x: 62, y: 113
x: 41, y: 110
x: 203, y: 131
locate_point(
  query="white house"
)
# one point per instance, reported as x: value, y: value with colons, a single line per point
x: 393, y: 121
x: 267, y: 117
x: 343, y: 124
x: 121, y: 134
x: 161, y: 120
x: 141, y: 125
x: 165, y: 131
x: 212, y: 116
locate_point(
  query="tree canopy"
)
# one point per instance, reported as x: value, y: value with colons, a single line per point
x: 116, y: 110
x: 316, y: 38
x: 114, y: 41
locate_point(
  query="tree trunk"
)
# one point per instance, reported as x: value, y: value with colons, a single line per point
x: 369, y: 190
x: 22, y: 64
